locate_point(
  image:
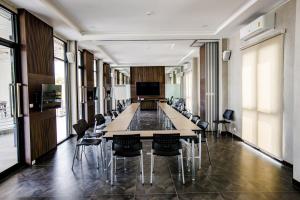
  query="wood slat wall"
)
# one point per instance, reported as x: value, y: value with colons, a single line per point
x: 88, y: 64
x: 202, y: 82
x: 147, y: 74
x: 37, y: 65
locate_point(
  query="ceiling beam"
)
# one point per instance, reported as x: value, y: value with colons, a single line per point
x: 49, y: 4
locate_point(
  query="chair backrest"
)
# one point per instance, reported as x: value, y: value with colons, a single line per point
x: 99, y: 119
x: 228, y: 114
x: 127, y: 143
x: 115, y: 114
x: 80, y: 130
x: 203, y: 126
x: 166, y: 142
x: 188, y: 115
x: 83, y: 123
x: 195, y: 118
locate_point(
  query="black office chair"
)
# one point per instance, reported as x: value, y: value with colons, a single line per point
x: 227, y: 118
x: 99, y: 125
x: 187, y: 114
x: 115, y: 114
x: 83, y: 142
x: 203, y: 126
x: 127, y: 146
x: 195, y: 119
x: 120, y: 107
x: 166, y: 145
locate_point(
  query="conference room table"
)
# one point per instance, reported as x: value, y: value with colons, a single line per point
x: 121, y: 125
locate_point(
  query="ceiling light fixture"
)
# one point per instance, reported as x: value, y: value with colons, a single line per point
x: 149, y: 13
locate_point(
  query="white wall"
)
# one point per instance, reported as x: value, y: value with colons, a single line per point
x: 296, y: 123
x: 235, y: 82
x: 285, y: 18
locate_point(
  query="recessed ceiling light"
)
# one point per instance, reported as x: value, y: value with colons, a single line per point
x: 149, y: 13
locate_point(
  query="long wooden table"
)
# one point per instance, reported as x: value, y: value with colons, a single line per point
x: 122, y: 122
x: 183, y: 126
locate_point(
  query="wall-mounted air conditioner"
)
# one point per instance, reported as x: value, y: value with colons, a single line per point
x: 258, y: 26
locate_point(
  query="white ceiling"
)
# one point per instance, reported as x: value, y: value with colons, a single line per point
x: 111, y: 28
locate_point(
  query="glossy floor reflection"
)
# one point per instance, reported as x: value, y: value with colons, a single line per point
x: 238, y: 172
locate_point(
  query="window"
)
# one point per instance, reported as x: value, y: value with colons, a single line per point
x: 262, y: 86
x: 80, y: 81
x: 60, y: 79
x: 9, y: 121
x: 7, y: 25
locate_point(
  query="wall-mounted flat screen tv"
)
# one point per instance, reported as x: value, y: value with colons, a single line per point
x: 51, y: 96
x: 147, y: 88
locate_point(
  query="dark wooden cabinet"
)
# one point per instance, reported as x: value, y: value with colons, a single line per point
x: 37, y: 66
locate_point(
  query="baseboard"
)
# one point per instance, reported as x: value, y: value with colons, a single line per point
x: 287, y: 164
x: 296, y: 184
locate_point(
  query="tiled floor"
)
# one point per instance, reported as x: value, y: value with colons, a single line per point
x: 238, y: 172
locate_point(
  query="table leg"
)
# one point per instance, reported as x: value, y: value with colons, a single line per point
x: 200, y: 150
x: 105, y: 158
x: 193, y: 160
x: 111, y: 167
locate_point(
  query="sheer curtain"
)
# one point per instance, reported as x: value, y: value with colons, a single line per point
x: 188, y: 89
x: 262, y: 89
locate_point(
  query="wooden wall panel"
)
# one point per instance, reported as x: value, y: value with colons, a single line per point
x: 106, y: 76
x: 88, y: 64
x: 37, y: 64
x: 147, y: 74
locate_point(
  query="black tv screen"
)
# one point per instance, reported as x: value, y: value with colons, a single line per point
x: 51, y: 96
x: 147, y: 88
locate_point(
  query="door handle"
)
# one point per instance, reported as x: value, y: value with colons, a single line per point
x: 18, y: 100
x: 11, y: 101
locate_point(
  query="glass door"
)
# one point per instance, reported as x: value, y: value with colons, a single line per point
x: 60, y: 79
x: 10, y: 105
x: 8, y: 110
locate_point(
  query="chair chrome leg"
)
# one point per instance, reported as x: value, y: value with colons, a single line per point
x: 179, y: 164
x: 151, y: 170
x: 208, y: 152
x: 182, y: 170
x: 142, y: 166
x: 111, y: 168
x: 75, y: 153
x: 199, y: 149
x: 115, y: 165
x: 97, y: 153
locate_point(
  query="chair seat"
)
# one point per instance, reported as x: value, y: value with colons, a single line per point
x: 127, y: 153
x: 221, y: 122
x: 165, y: 153
x: 97, y: 134
x: 87, y: 142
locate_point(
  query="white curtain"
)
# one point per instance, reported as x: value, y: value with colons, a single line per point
x: 188, y: 89
x: 262, y: 89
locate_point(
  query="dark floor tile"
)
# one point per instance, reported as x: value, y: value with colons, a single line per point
x: 244, y: 196
x: 161, y: 184
x: 200, y: 196
x: 113, y: 197
x: 201, y: 184
x: 157, y: 197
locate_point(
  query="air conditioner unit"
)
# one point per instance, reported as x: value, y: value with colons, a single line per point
x: 258, y: 26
